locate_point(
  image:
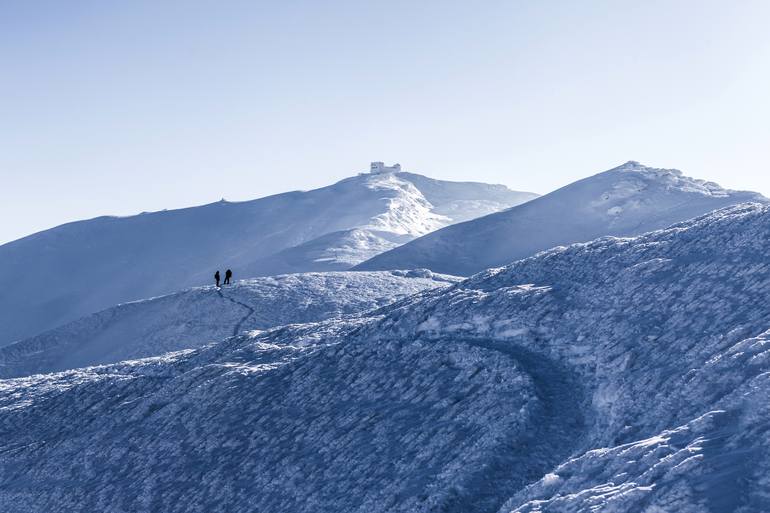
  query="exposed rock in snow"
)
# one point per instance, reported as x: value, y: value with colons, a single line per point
x: 618, y: 375
x: 625, y: 201
x: 195, y: 317
x: 61, y: 274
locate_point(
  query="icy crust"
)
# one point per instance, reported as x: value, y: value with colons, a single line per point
x: 618, y: 375
x: 668, y: 331
x: 262, y: 427
x: 407, y: 212
x: 637, y: 187
x: 674, y: 179
x: 199, y: 316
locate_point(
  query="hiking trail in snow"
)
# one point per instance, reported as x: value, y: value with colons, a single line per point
x: 447, y: 400
x: 237, y: 327
x: 556, y: 431
x: 195, y: 317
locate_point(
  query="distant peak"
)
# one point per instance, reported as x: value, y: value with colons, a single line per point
x: 671, y: 179
x: 633, y: 166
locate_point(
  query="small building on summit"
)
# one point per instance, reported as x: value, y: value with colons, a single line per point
x: 380, y: 167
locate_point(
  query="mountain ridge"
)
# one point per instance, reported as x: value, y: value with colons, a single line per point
x: 60, y: 274
x: 621, y: 374
x: 627, y: 200
x: 194, y: 317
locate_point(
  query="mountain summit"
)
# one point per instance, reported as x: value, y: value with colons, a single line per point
x: 625, y: 201
x: 83, y: 267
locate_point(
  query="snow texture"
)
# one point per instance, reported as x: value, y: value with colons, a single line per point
x: 198, y: 316
x: 624, y: 374
x: 629, y: 200
x: 62, y: 274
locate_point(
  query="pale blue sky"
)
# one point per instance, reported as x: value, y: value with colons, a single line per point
x: 120, y: 107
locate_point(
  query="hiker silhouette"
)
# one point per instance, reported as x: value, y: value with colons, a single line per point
x: 228, y: 275
x: 216, y: 277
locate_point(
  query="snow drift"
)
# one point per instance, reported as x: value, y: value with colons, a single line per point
x: 625, y: 201
x: 617, y: 375
x: 76, y: 269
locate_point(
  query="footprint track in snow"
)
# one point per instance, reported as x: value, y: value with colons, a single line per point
x: 555, y: 432
x: 237, y: 327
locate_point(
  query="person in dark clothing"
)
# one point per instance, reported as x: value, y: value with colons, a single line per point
x: 216, y: 277
x: 228, y: 275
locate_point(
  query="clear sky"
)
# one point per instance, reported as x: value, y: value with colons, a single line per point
x: 123, y: 107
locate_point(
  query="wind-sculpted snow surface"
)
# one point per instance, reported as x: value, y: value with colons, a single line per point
x: 615, y: 376
x: 195, y: 317
x: 261, y: 427
x: 629, y: 200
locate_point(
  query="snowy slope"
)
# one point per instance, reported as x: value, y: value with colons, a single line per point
x: 194, y: 317
x: 61, y: 274
x: 336, y: 251
x: 615, y: 376
x: 628, y: 200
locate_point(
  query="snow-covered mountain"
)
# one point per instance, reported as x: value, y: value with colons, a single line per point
x: 198, y: 316
x: 61, y: 274
x: 629, y: 200
x: 618, y: 375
